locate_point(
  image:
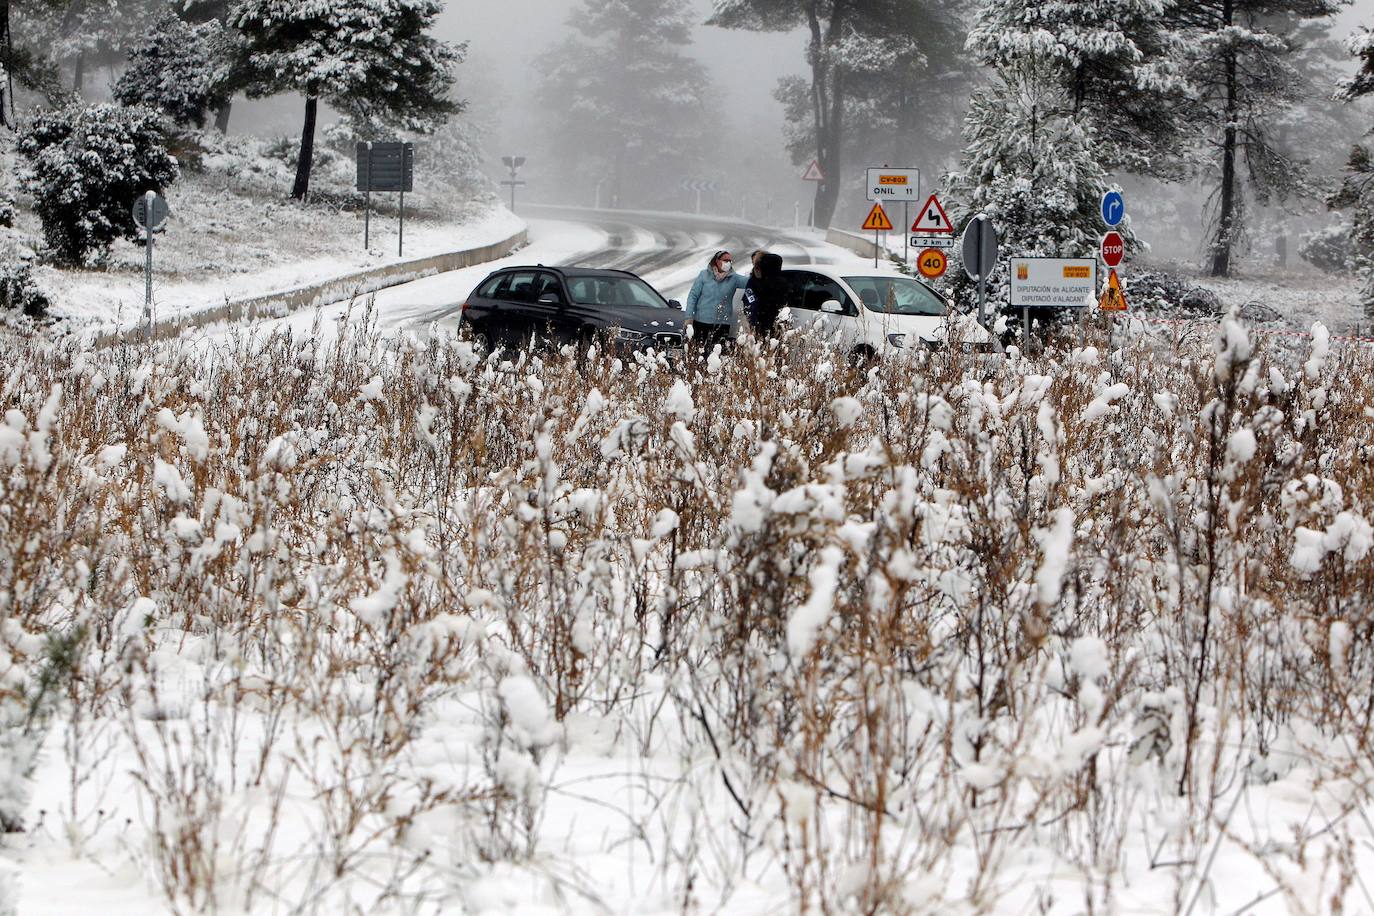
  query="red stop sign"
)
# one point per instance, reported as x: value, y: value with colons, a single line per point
x: 1113, y: 248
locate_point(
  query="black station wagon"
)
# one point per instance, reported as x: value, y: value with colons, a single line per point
x: 559, y: 305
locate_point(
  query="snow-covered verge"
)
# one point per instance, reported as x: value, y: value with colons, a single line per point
x: 234, y: 233
x: 388, y: 626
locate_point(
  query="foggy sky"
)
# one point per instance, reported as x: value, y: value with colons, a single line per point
x: 506, y: 37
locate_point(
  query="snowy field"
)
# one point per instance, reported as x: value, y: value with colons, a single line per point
x: 369, y: 623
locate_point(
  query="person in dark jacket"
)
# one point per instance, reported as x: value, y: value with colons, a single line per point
x: 766, y: 294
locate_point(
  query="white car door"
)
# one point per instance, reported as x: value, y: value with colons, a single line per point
x: 807, y: 295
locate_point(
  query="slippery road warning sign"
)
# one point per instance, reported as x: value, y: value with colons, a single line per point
x: 1113, y: 297
x: 877, y: 220
x: 932, y: 220
x: 932, y: 263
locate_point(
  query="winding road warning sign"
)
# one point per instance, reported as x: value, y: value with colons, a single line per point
x: 932, y: 220
x: 877, y: 220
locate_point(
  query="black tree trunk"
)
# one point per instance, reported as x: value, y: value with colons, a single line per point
x: 827, y: 92
x: 6, y: 64
x: 302, y: 185
x: 222, y: 117
x: 1226, y: 212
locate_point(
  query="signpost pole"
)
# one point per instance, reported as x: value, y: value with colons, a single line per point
x: 148, y: 282
x: 906, y: 233
x: 875, y: 247
x: 148, y: 262
x: 1025, y: 329
x: 401, y: 243
x: 367, y: 199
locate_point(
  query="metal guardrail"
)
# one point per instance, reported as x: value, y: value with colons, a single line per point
x: 314, y: 295
x: 861, y: 246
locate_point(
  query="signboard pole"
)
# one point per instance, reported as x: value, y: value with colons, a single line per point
x: 401, y: 244
x: 1025, y: 329
x: 148, y: 276
x: 906, y: 238
x: 367, y: 201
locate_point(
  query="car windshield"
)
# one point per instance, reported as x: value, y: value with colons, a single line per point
x: 897, y: 296
x: 613, y: 291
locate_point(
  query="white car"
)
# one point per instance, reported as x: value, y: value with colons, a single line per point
x: 875, y: 311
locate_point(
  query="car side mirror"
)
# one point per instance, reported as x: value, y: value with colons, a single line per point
x: 550, y: 299
x: 832, y: 306
x: 674, y: 304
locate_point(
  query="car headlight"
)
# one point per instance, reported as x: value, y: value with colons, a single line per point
x: 897, y: 340
x: 628, y: 336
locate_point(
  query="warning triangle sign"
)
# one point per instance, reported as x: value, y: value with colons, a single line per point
x: 877, y: 220
x: 813, y: 172
x: 1113, y: 297
x: 932, y: 220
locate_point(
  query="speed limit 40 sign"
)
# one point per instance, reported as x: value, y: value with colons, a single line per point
x: 932, y: 263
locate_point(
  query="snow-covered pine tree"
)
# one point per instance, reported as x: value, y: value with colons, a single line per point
x: 1240, y: 63
x: 180, y: 69
x: 1117, y: 60
x: 846, y: 38
x: 1356, y: 193
x: 627, y: 99
x: 373, y: 54
x: 1031, y: 165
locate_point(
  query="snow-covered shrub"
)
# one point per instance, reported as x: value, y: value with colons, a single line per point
x: 1331, y: 249
x: 19, y: 292
x: 1167, y: 294
x: 834, y: 633
x: 85, y: 167
x: 7, y: 210
x: 180, y: 69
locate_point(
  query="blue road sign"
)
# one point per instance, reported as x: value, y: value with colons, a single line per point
x: 1113, y: 208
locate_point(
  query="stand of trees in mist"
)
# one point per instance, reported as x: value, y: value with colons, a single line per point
x: 375, y: 61
x: 1028, y: 110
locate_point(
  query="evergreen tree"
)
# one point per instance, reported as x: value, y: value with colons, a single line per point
x: 1119, y: 63
x: 906, y: 112
x: 626, y: 100
x: 179, y: 70
x: 375, y: 55
x: 1240, y: 63
x: 850, y: 42
x: 1030, y: 165
x: 86, y: 33
x: 1356, y: 192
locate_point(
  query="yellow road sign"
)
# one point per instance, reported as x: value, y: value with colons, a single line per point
x: 877, y: 220
x: 1113, y: 297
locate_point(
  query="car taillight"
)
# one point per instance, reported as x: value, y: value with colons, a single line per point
x: 464, y: 308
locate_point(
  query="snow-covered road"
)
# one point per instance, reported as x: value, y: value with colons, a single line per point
x: 666, y: 249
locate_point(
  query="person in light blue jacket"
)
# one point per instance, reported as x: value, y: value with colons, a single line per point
x: 711, y: 304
